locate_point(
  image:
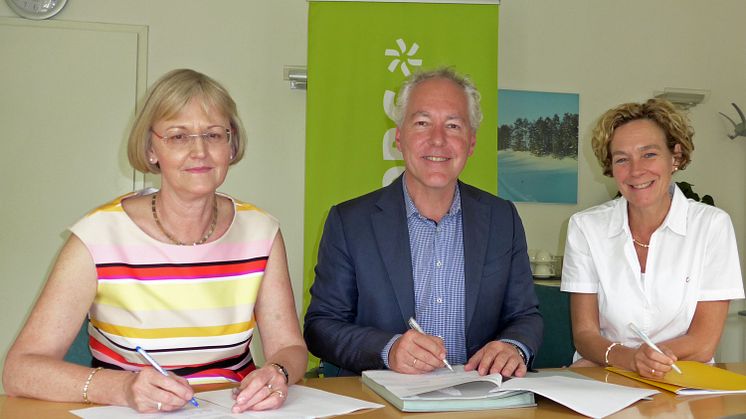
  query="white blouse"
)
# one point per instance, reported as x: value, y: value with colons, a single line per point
x: 692, y: 257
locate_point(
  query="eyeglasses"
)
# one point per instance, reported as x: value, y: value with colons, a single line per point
x: 181, y: 138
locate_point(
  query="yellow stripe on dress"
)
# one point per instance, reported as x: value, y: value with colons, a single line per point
x: 179, y: 294
x: 174, y: 332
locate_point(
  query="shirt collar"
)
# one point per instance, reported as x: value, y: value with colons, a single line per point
x: 675, y: 219
x: 412, y: 209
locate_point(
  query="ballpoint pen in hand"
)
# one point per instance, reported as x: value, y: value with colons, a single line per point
x: 650, y: 343
x: 158, y: 368
x: 414, y: 325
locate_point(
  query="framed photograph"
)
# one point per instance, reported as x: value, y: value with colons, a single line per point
x: 537, y: 151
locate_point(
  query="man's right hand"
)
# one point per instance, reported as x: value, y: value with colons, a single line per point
x: 416, y: 353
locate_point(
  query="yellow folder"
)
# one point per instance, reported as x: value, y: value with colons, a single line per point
x: 696, y: 378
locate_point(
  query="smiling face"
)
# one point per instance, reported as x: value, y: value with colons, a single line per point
x: 642, y: 164
x: 435, y: 137
x: 198, y: 168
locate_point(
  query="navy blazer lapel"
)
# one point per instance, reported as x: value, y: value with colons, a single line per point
x: 476, y: 223
x: 392, y: 238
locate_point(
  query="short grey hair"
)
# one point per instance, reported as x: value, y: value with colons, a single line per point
x: 472, y: 94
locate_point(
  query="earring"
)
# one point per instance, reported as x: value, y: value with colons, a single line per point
x: 152, y: 160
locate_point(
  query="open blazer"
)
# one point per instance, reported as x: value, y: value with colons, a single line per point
x: 363, y: 293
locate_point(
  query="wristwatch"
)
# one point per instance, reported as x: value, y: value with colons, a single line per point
x: 282, y: 370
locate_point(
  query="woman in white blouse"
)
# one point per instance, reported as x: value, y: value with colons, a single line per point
x: 651, y: 257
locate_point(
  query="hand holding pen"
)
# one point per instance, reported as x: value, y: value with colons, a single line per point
x: 414, y: 325
x: 178, y: 380
x: 415, y: 352
x: 653, y: 346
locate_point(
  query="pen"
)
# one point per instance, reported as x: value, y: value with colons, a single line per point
x: 160, y: 369
x: 414, y: 325
x: 650, y: 343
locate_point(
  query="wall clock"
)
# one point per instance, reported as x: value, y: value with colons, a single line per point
x: 36, y: 9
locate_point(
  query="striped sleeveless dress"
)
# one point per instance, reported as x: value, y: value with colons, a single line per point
x: 190, y: 307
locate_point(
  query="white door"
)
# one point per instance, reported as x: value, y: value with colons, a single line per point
x: 68, y: 92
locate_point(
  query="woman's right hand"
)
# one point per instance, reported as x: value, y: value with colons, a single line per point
x: 649, y: 363
x: 149, y: 391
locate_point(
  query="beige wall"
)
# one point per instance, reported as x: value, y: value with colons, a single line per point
x: 607, y: 51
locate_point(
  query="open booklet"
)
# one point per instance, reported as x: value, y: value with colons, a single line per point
x: 695, y: 378
x: 443, y: 390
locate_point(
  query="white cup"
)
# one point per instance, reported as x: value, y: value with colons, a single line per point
x: 543, y: 269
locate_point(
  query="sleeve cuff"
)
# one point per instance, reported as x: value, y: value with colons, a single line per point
x: 387, y: 348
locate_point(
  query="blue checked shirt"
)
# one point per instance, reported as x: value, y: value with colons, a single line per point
x: 438, y: 269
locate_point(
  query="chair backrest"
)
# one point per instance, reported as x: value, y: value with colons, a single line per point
x: 79, y: 352
x: 557, y: 348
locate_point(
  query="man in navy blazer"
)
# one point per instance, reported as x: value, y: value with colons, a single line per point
x: 427, y: 247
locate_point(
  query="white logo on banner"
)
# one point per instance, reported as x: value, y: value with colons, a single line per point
x: 390, y: 152
x: 402, y: 63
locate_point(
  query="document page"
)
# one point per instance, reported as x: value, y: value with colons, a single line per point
x: 302, y: 403
x: 588, y: 397
x: 405, y: 385
x: 466, y: 391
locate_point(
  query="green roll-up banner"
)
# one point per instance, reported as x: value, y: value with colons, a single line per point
x: 359, y: 53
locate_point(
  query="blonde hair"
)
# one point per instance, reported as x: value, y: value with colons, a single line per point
x: 166, y: 98
x: 663, y: 113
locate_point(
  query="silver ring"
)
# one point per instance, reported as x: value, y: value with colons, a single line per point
x: 279, y: 393
x: 158, y: 405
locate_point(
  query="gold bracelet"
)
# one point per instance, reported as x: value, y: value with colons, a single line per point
x: 606, y: 355
x: 88, y: 384
x: 282, y: 370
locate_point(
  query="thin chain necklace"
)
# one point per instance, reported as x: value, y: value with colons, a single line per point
x: 177, y: 242
x: 639, y: 243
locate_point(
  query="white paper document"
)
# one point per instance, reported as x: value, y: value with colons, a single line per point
x: 302, y: 403
x: 587, y: 397
x: 405, y: 385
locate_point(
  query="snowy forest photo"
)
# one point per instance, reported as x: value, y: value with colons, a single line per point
x: 538, y: 146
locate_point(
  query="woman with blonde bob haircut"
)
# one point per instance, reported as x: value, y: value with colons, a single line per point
x: 183, y: 272
x: 169, y: 95
x: 652, y: 257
